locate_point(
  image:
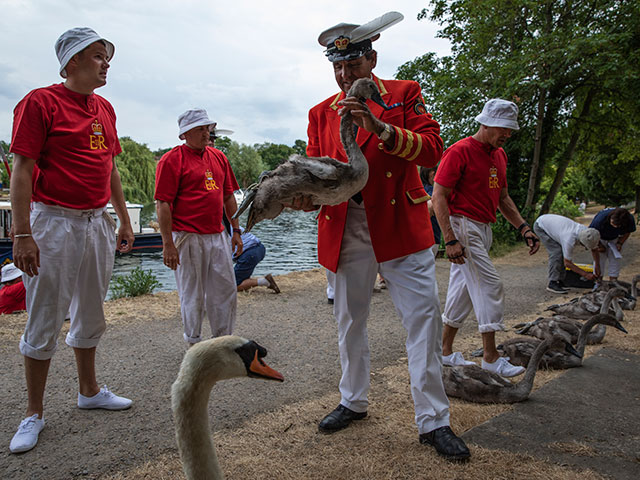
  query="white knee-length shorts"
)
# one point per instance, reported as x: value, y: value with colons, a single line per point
x: 206, y: 283
x: 77, y: 248
x: 474, y: 285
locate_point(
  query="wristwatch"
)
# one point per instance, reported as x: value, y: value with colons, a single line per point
x: 386, y: 133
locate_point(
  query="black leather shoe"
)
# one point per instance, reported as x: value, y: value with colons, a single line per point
x: 340, y: 418
x: 446, y: 444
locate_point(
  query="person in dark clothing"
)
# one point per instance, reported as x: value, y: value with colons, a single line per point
x: 427, y: 175
x: 615, y: 225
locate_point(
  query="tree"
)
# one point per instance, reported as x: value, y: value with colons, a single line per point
x: 4, y: 174
x: 274, y: 154
x: 137, y: 167
x: 300, y: 147
x: 558, y: 59
x: 222, y: 144
x: 246, y: 163
x: 160, y: 152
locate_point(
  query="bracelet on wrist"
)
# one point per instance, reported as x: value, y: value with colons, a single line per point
x: 237, y: 230
x: 452, y: 242
x: 386, y: 133
x: 522, y: 226
x: 22, y: 235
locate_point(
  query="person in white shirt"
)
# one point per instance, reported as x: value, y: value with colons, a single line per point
x: 560, y: 235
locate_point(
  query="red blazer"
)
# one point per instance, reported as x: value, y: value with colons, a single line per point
x: 394, y: 198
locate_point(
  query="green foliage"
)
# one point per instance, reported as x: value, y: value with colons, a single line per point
x: 246, y: 163
x: 504, y: 235
x: 273, y: 154
x: 223, y: 144
x: 300, y: 147
x: 559, y: 54
x: 138, y: 282
x: 4, y: 175
x: 137, y: 167
x: 160, y: 152
x: 563, y: 206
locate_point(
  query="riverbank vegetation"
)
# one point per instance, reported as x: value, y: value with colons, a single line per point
x: 570, y: 65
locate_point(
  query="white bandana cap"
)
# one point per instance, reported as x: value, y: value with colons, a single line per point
x: 10, y: 272
x: 196, y: 117
x: 74, y: 41
x: 499, y: 113
x: 589, y: 237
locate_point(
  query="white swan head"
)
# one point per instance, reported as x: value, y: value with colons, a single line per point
x: 223, y: 358
x: 203, y: 365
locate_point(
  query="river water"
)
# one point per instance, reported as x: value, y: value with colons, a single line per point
x: 290, y: 241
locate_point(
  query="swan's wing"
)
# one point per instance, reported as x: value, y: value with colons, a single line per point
x: 589, y: 306
x: 323, y: 168
x: 477, y: 374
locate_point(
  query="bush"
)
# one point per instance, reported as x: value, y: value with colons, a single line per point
x: 504, y: 236
x: 563, y: 206
x: 138, y: 282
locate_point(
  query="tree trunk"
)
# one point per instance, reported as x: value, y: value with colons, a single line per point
x: 536, y: 150
x: 534, y: 181
x: 566, y: 157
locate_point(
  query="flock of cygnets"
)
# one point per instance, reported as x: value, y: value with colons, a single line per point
x: 549, y: 344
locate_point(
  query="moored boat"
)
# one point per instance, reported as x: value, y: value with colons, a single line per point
x: 146, y: 239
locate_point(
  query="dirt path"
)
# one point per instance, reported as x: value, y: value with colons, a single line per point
x: 140, y: 354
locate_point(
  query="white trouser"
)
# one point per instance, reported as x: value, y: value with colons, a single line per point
x: 411, y: 283
x: 611, y: 255
x: 331, y: 280
x: 206, y: 283
x: 77, y: 248
x: 474, y: 285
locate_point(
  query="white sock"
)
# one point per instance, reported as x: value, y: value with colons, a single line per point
x: 263, y: 282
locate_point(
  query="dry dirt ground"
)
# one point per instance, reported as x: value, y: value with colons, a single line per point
x: 265, y: 430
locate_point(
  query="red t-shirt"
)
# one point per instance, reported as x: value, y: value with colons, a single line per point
x: 476, y: 173
x: 73, y: 139
x: 12, y: 298
x: 195, y: 183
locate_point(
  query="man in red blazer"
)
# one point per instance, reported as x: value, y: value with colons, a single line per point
x: 383, y: 229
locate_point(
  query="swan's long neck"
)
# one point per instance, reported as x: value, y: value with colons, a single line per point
x: 634, y: 286
x: 525, y: 385
x: 190, y: 399
x: 584, y: 331
x: 356, y: 158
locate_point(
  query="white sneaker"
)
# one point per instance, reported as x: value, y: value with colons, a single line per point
x: 502, y: 367
x: 455, y: 359
x: 27, y: 435
x: 104, y: 399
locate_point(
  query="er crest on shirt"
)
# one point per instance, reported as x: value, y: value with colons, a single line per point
x: 210, y: 182
x: 494, y: 182
x: 96, y: 140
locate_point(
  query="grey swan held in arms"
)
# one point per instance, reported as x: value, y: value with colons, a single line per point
x: 519, y: 350
x: 203, y: 365
x: 539, y: 328
x: 326, y: 180
x: 472, y: 383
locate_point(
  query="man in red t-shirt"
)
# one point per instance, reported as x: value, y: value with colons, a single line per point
x: 194, y: 187
x: 13, y: 293
x: 470, y: 185
x: 64, y: 239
